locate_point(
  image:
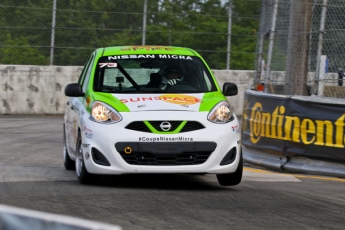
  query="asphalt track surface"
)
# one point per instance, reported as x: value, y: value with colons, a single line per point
x: 32, y: 176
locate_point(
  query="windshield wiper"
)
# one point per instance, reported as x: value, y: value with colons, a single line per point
x: 150, y: 90
x: 109, y: 88
x: 173, y: 91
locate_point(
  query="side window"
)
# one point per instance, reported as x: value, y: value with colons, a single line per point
x: 207, y: 81
x: 82, y: 74
x: 88, y: 74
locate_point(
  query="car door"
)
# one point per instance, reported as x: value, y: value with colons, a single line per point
x: 75, y: 109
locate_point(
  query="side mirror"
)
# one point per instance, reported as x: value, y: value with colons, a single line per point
x: 74, y: 90
x: 230, y: 89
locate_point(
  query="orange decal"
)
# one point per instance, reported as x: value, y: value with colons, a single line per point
x: 180, y: 99
x: 135, y: 48
x: 88, y: 101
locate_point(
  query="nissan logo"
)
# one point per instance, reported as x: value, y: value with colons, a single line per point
x: 165, y: 126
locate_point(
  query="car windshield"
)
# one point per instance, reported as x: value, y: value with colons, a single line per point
x: 150, y: 73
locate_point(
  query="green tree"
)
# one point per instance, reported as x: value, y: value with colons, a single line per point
x: 18, y: 51
x: 83, y: 25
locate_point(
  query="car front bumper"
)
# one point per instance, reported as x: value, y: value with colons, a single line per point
x: 120, y: 145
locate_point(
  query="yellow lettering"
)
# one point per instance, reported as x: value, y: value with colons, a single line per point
x: 295, y: 129
x: 290, y: 128
x: 321, y: 131
x: 254, y: 124
x: 307, y: 126
x: 339, y: 134
x: 274, y: 123
x: 265, y: 124
x: 280, y: 122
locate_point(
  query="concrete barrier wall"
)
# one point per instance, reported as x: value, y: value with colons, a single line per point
x: 35, y: 89
x: 40, y: 89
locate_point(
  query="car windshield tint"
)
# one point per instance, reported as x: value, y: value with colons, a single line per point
x: 150, y: 73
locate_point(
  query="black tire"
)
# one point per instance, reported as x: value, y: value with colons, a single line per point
x: 83, y: 176
x: 234, y: 178
x: 68, y: 163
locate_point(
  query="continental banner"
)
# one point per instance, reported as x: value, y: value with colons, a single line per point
x: 288, y: 126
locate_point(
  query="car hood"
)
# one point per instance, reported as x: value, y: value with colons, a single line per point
x: 194, y: 102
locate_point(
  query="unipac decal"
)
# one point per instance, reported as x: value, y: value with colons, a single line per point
x: 292, y: 128
x: 136, y: 48
x: 180, y: 99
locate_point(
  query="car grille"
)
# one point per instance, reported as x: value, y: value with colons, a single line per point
x: 173, y: 153
x: 141, y: 127
x: 177, y: 159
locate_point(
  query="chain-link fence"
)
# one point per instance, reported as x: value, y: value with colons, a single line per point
x: 65, y: 32
x: 301, y: 47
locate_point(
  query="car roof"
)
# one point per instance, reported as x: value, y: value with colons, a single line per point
x: 172, y: 50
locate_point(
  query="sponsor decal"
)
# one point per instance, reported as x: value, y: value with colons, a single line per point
x: 135, y: 48
x: 235, y: 128
x: 180, y: 99
x: 132, y: 56
x: 166, y: 139
x: 292, y: 128
x: 110, y: 65
x: 88, y: 132
x: 170, y: 98
x: 135, y: 56
x: 175, y: 56
x: 88, y: 135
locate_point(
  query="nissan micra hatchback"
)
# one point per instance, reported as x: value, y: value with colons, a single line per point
x: 150, y: 109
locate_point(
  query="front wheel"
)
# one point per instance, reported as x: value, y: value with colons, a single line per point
x: 234, y: 178
x: 83, y: 176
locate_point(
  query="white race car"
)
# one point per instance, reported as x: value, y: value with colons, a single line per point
x: 150, y: 109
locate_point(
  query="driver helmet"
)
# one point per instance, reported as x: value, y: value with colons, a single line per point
x: 173, y: 69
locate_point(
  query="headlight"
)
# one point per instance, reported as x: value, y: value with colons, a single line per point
x: 103, y: 113
x: 221, y: 113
